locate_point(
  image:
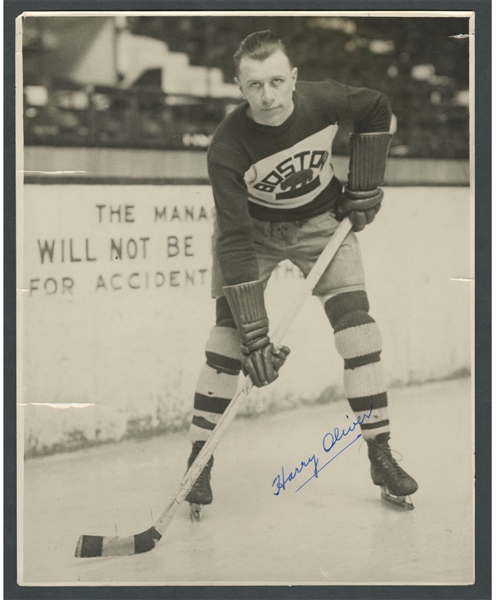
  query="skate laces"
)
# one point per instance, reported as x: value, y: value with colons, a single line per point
x: 382, y: 453
x: 390, y: 461
x: 399, y: 456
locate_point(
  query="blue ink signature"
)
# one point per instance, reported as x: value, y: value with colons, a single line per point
x: 329, y: 441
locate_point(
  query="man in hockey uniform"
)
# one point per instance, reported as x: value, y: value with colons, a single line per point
x: 276, y: 197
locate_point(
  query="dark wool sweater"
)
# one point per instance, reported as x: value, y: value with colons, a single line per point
x: 284, y: 172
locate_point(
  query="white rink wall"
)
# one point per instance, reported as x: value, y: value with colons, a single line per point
x: 121, y: 336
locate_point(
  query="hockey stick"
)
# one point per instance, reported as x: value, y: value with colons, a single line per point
x: 93, y: 545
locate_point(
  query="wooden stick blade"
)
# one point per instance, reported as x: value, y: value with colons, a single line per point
x: 94, y: 546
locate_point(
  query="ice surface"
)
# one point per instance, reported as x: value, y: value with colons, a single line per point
x: 334, y: 530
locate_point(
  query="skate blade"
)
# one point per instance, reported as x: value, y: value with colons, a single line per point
x: 195, y: 511
x: 404, y: 502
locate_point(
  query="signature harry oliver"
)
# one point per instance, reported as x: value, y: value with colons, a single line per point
x: 330, y: 440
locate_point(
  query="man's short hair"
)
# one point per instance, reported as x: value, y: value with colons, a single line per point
x: 259, y: 46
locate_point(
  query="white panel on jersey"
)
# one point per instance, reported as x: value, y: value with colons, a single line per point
x: 295, y: 176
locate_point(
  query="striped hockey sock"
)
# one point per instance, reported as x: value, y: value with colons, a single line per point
x: 217, y: 383
x: 358, y: 340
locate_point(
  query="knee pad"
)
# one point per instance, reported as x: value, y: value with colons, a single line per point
x: 357, y: 335
x: 223, y: 350
x: 339, y: 306
x: 223, y: 314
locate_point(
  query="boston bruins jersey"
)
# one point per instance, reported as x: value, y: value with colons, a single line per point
x: 285, y: 172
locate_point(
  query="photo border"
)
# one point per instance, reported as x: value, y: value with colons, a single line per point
x: 482, y: 586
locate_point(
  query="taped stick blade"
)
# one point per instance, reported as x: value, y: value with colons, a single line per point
x: 89, y: 546
x: 93, y: 546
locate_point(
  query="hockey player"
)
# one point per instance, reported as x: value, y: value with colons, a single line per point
x: 276, y: 197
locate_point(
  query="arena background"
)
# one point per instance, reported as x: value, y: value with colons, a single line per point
x: 115, y: 215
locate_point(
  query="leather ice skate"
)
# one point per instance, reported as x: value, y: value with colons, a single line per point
x: 201, y: 492
x: 396, y: 485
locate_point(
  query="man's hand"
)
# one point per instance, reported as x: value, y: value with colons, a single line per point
x: 361, y: 207
x: 264, y: 364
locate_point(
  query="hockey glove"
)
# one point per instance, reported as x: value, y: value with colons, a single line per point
x: 263, y: 365
x: 261, y: 360
x: 361, y: 207
x: 362, y: 197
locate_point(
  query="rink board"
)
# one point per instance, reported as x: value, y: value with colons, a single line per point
x: 115, y: 306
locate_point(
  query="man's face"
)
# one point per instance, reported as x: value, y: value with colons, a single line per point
x: 268, y: 87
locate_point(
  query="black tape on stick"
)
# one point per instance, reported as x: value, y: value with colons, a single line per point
x: 145, y: 541
x: 90, y: 546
